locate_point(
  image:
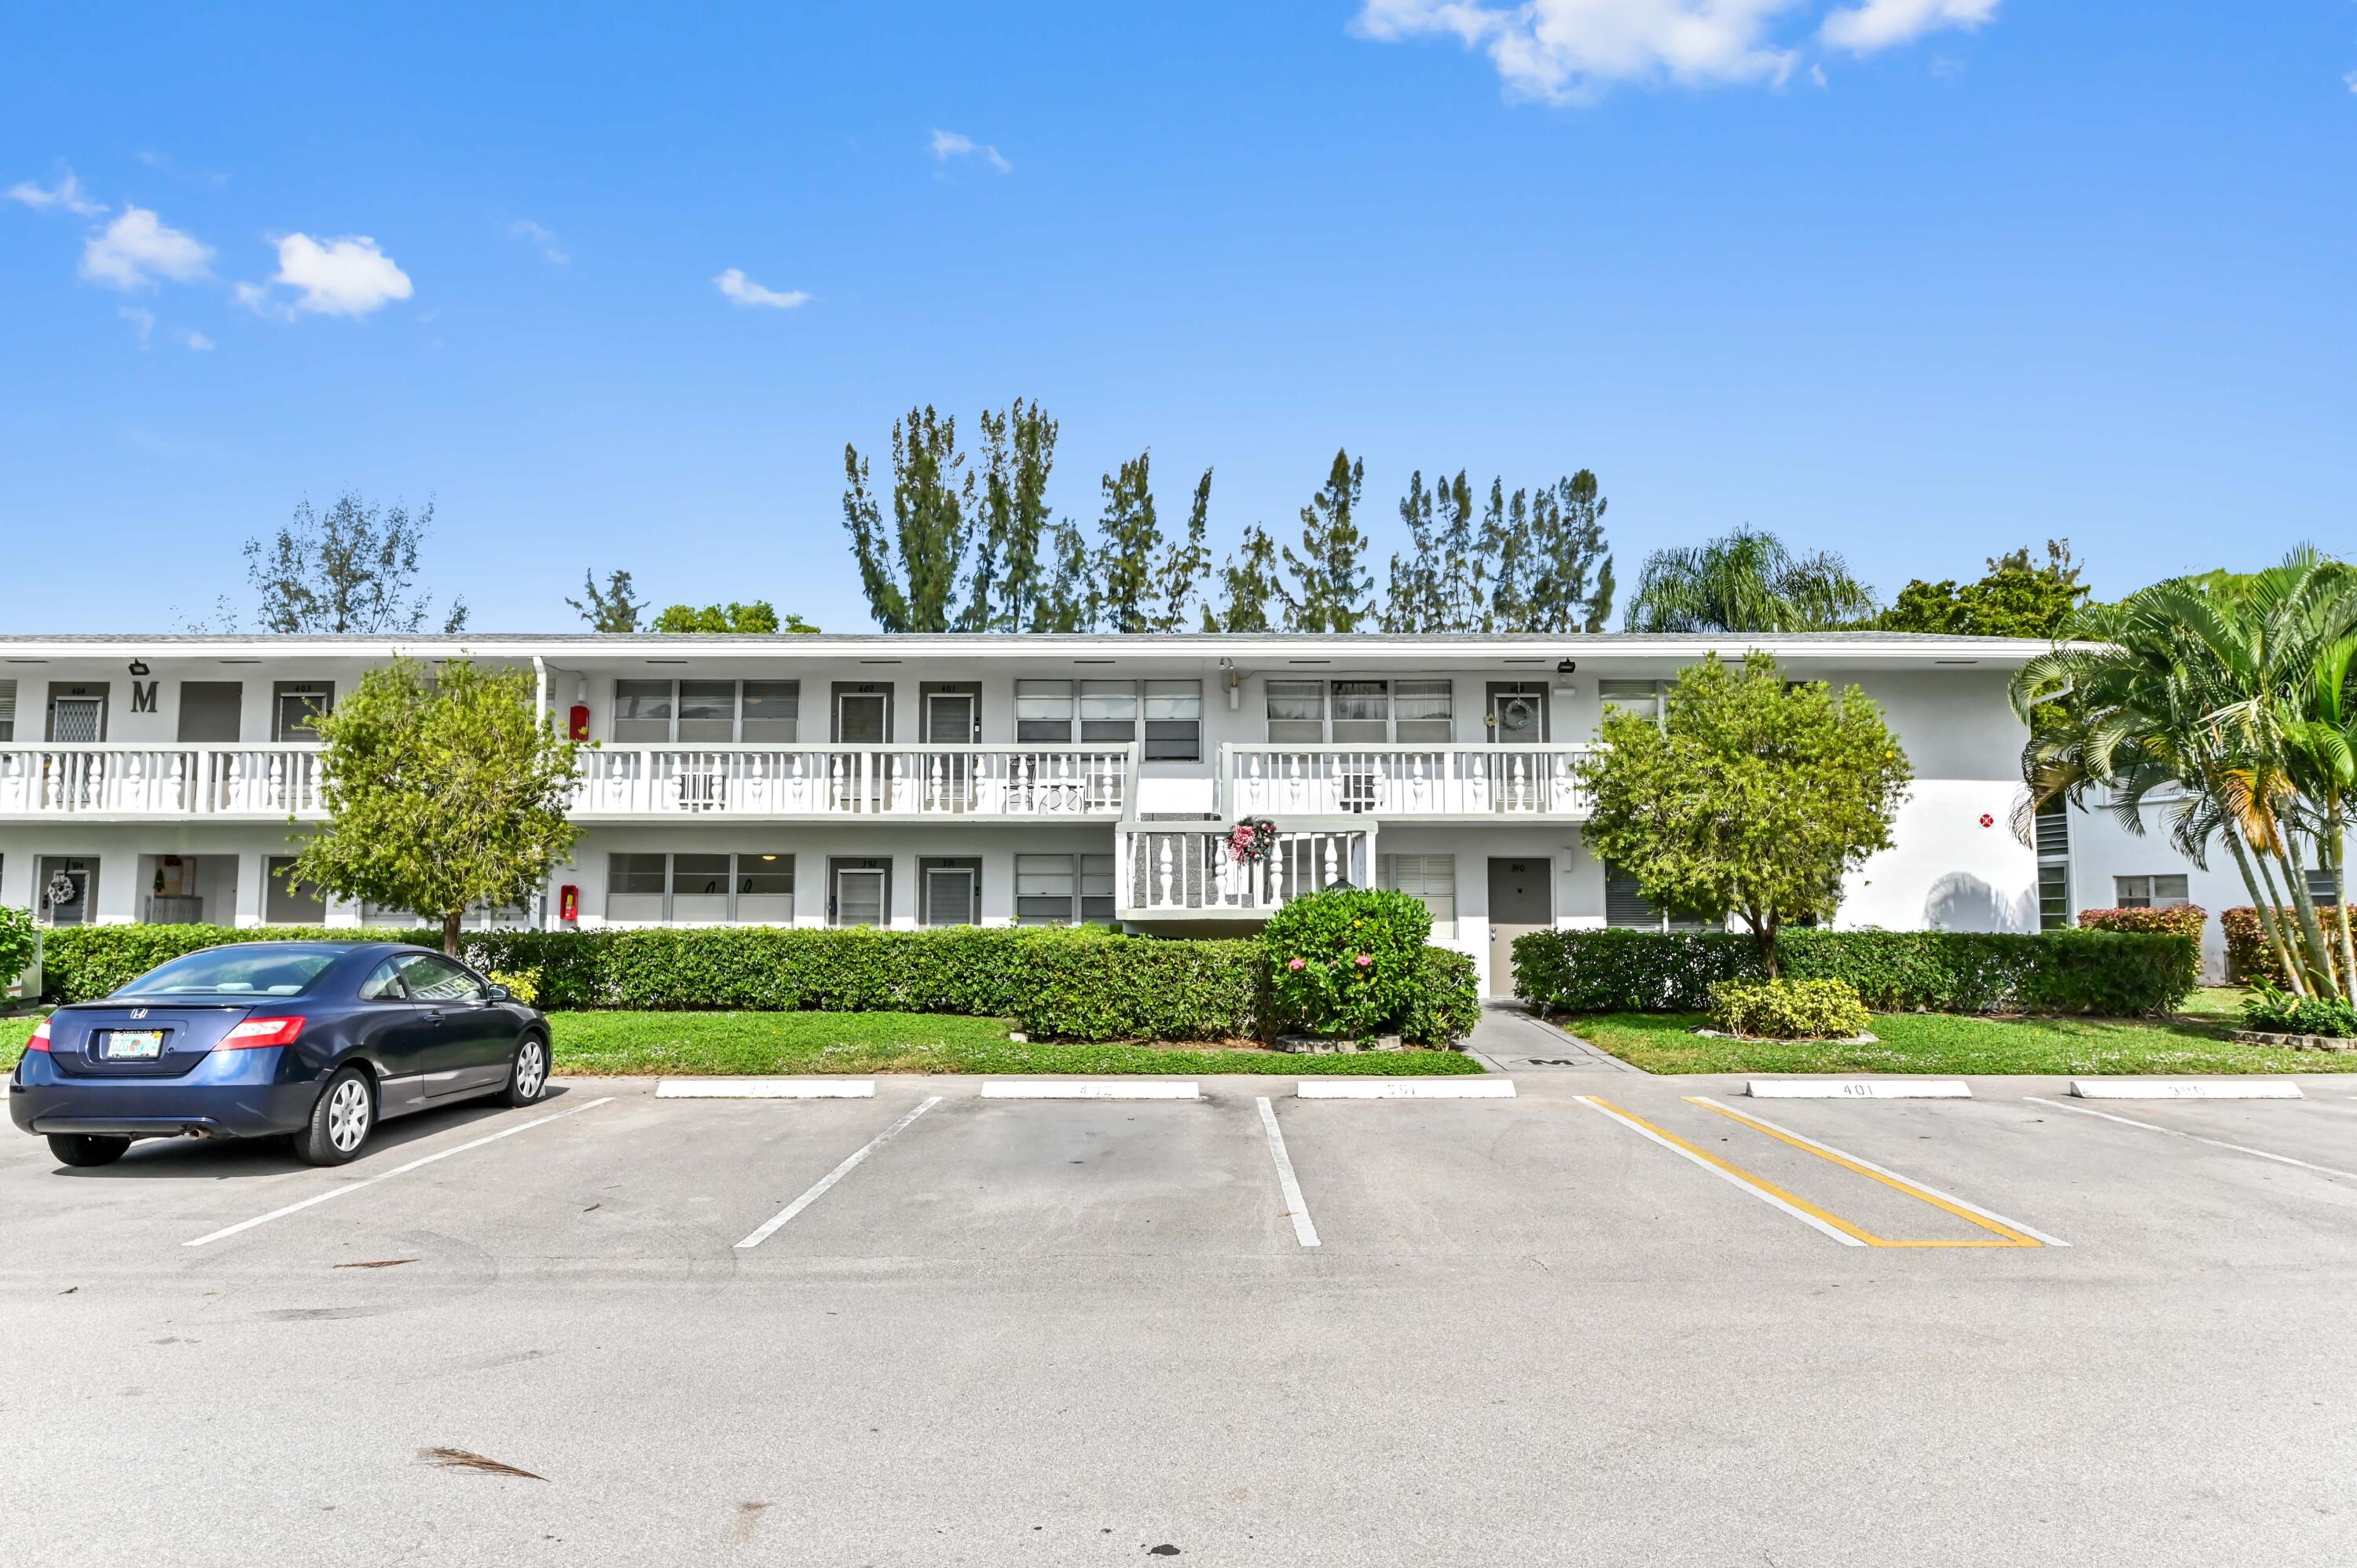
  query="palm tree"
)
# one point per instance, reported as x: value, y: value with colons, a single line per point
x: 1746, y: 581
x: 2194, y: 697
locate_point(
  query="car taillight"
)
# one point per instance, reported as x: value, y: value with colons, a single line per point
x: 41, y: 1040
x: 255, y: 1032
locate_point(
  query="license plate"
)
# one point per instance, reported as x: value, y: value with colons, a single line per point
x: 133, y: 1045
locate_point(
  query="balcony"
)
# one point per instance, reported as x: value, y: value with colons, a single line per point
x: 1166, y: 871
x: 906, y: 782
x: 1403, y: 783
x: 135, y: 782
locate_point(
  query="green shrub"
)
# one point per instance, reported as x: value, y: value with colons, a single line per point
x: 2185, y: 921
x: 2280, y: 1013
x: 1343, y: 963
x: 1789, y: 1009
x: 523, y: 986
x: 1448, y: 999
x: 79, y: 962
x: 2110, y: 974
x: 2247, y: 959
x: 18, y: 941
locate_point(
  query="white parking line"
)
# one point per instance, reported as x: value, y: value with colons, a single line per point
x: 1468, y: 1088
x: 776, y: 1222
x: 1723, y: 1171
x: 384, y: 1176
x: 2174, y: 1133
x: 1295, y: 1205
x: 1087, y: 1089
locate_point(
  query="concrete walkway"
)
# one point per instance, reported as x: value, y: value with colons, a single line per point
x: 1508, y: 1039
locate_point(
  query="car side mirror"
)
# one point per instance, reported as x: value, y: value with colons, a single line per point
x: 498, y: 992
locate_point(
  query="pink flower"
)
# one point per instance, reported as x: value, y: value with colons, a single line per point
x: 1298, y: 963
x: 1364, y: 960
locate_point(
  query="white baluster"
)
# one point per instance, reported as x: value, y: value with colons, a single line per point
x: 938, y: 785
x: 1162, y: 866
x: 1333, y: 874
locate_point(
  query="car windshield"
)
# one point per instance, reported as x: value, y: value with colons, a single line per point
x: 284, y: 972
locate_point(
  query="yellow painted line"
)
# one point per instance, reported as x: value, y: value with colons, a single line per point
x: 2013, y: 1236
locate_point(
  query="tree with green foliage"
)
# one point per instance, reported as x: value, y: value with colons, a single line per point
x: 1750, y: 799
x: 912, y: 571
x: 1330, y: 587
x: 1248, y: 585
x: 1069, y: 600
x: 1505, y: 546
x: 1179, y: 580
x: 1565, y: 570
x: 614, y: 608
x: 349, y: 570
x: 1412, y: 595
x: 1746, y: 581
x: 759, y: 618
x: 2014, y: 599
x: 1018, y: 453
x: 1129, y: 547
x: 445, y: 791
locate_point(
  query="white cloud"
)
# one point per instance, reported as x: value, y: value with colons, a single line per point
x: 948, y: 144
x: 198, y: 341
x: 67, y: 193
x: 1883, y: 24
x: 137, y: 249
x: 741, y: 290
x: 347, y: 276
x: 525, y: 228
x: 2351, y: 81
x: 1569, y: 51
x: 144, y: 320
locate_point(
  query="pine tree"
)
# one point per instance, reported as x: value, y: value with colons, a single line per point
x: 1411, y: 602
x: 911, y: 574
x: 1568, y: 579
x: 1330, y: 586
x: 1069, y: 601
x: 1186, y: 564
x: 1018, y: 452
x: 1248, y: 585
x: 1129, y: 546
x: 1463, y: 573
x: 1505, y: 543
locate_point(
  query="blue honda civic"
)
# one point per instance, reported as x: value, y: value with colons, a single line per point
x: 319, y: 1040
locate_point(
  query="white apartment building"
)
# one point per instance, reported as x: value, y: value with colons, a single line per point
x: 929, y: 781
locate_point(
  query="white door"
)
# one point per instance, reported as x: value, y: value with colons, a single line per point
x: 949, y: 778
x: 859, y: 718
x: 858, y: 897
x: 949, y: 896
x: 75, y: 721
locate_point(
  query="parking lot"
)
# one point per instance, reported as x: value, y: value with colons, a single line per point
x: 1612, y: 1319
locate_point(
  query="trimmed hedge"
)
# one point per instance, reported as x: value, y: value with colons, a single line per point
x: 1079, y: 984
x: 2185, y: 921
x: 2112, y: 974
x: 1789, y: 1009
x: 2246, y: 941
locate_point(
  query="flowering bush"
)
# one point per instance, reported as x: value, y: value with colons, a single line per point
x: 1344, y: 963
x: 2185, y: 921
x: 1251, y: 839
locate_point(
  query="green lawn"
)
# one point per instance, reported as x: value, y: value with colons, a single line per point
x: 619, y: 1044
x: 2193, y: 1041
x: 687, y: 1043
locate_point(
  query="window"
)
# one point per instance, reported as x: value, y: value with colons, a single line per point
x: 949, y: 891
x: 286, y: 902
x: 1043, y: 711
x: 773, y: 711
x: 2320, y: 885
x: 432, y: 978
x: 283, y: 970
x: 1108, y: 711
x: 383, y: 983
x: 1362, y: 712
x: 1296, y: 712
x: 1096, y: 888
x: 1431, y: 879
x: 642, y: 711
x: 210, y: 710
x: 295, y: 704
x: 1642, y: 698
x: 1425, y: 711
x: 1043, y: 889
x: 1625, y: 906
x: 8, y: 710
x: 2053, y: 828
x: 2150, y: 892
x: 1174, y: 721
x: 704, y: 888
x: 707, y: 711
x: 2053, y: 895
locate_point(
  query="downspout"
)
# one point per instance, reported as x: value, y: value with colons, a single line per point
x: 540, y: 726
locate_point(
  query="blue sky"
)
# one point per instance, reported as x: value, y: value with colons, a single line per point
x: 1916, y: 280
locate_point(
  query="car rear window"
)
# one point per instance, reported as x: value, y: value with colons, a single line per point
x: 236, y: 972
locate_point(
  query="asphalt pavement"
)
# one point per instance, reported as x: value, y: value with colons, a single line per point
x: 1615, y: 1319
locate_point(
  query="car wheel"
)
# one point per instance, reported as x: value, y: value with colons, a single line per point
x: 87, y: 1148
x: 342, y: 1120
x: 528, y: 1078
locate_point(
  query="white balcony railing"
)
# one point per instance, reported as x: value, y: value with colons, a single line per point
x: 1166, y: 869
x: 160, y: 781
x: 1028, y: 782
x: 1403, y: 780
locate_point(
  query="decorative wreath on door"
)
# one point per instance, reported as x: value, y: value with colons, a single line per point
x: 61, y: 889
x: 1518, y: 713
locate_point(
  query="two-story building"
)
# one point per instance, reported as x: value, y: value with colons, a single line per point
x: 931, y: 780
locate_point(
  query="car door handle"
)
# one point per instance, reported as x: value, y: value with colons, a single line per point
x: 435, y: 1016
